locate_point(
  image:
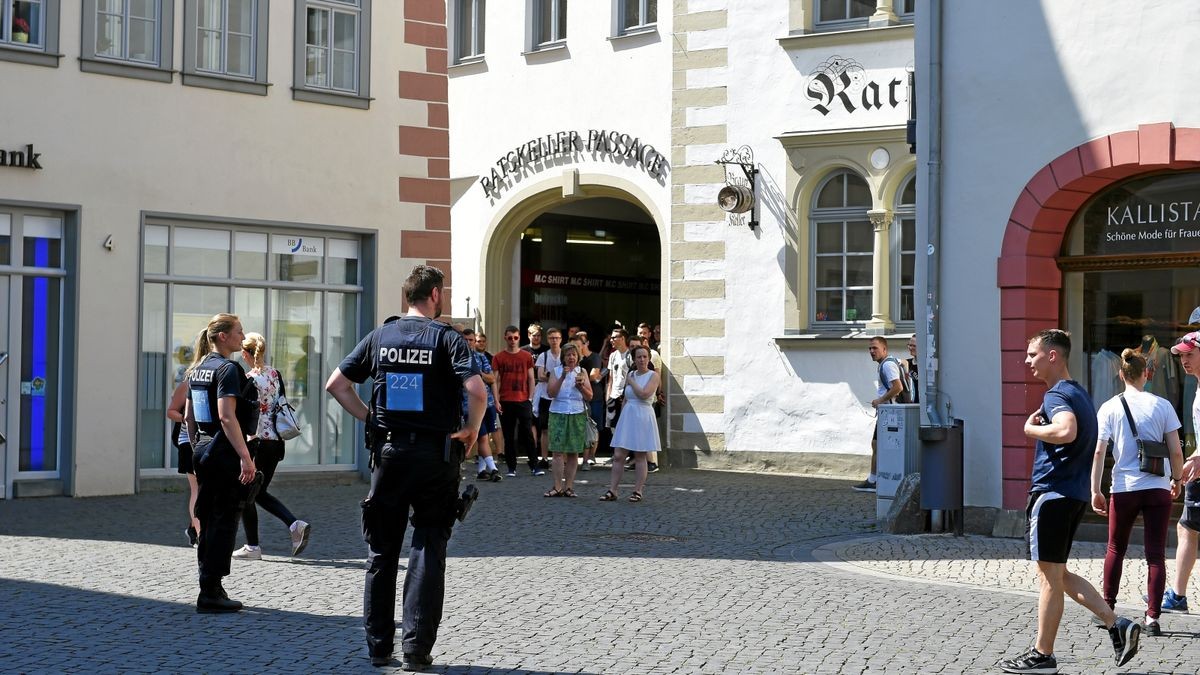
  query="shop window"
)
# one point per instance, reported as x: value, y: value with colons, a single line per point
x: 333, y: 52
x: 636, y: 15
x: 299, y: 290
x: 837, y: 14
x: 843, y: 248
x: 29, y: 31
x: 904, y: 253
x: 225, y: 45
x: 128, y: 37
x: 549, y: 23
x: 905, y: 9
x: 467, y: 22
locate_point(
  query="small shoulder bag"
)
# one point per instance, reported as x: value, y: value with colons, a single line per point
x: 1152, y: 455
x: 284, y: 415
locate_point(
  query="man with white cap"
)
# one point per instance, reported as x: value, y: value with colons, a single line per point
x: 1188, y: 528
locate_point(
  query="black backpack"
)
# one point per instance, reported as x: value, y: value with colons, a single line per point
x: 905, y: 395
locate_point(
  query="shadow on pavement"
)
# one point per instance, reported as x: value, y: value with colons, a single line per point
x: 687, y: 513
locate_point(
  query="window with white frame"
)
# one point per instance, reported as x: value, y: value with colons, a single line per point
x: 843, y: 250
x: 636, y: 14
x: 29, y: 31
x: 468, y: 22
x: 904, y: 258
x: 905, y: 8
x: 225, y: 44
x: 132, y: 38
x: 549, y: 22
x: 843, y: 13
x: 333, y: 51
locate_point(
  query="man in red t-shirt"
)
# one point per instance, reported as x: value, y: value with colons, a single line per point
x: 514, y: 367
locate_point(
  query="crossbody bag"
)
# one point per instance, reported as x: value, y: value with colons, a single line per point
x: 1152, y: 455
x: 284, y: 415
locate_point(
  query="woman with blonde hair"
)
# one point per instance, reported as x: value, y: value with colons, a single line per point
x: 1127, y: 420
x: 570, y: 390
x: 267, y: 448
x: 221, y: 410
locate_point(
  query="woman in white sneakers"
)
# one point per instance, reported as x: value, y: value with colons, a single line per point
x: 267, y: 449
x: 1125, y: 420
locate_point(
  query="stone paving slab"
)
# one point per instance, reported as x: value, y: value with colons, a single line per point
x: 714, y: 573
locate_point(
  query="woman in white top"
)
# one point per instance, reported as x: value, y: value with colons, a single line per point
x: 637, y: 430
x: 569, y: 389
x: 267, y: 449
x: 1134, y: 491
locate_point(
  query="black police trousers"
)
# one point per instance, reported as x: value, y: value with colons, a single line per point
x: 219, y: 505
x: 412, y: 472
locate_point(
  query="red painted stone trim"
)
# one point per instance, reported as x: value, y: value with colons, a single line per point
x: 1029, y: 278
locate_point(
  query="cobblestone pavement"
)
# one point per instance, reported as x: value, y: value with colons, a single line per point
x: 713, y: 573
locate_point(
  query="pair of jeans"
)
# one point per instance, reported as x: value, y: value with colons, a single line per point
x: 410, y: 475
x: 515, y: 419
x: 1155, y: 507
x: 267, y: 455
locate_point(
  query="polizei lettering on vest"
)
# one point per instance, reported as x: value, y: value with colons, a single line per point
x: 204, y: 376
x: 406, y: 355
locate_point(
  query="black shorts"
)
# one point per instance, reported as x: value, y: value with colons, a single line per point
x: 1191, y: 506
x: 542, y: 421
x: 184, y: 464
x: 1050, y: 523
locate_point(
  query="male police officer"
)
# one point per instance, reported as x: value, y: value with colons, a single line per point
x: 418, y: 368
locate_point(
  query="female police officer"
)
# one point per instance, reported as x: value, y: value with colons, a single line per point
x: 218, y: 416
x: 418, y: 368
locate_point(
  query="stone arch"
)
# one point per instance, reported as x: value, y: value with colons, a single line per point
x: 1027, y: 272
x: 503, y: 233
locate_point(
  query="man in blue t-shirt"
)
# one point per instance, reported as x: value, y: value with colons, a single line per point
x: 1065, y: 430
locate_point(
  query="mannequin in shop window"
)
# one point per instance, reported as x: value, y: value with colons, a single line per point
x: 1162, y: 372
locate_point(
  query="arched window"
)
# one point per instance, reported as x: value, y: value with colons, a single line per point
x: 842, y: 244
x: 904, y: 252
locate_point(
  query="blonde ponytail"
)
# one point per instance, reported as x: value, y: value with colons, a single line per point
x: 256, y: 345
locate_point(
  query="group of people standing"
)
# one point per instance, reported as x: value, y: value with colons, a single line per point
x: 546, y: 398
x: 229, y: 448
x: 1073, y: 439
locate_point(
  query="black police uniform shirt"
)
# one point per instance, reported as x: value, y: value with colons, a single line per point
x: 217, y: 377
x: 418, y: 367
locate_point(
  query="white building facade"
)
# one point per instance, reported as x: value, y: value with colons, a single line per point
x: 165, y: 161
x: 1067, y: 181
x: 764, y: 330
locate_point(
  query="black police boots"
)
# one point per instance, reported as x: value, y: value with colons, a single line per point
x: 214, y: 600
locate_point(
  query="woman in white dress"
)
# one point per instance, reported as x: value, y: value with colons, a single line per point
x: 637, y: 430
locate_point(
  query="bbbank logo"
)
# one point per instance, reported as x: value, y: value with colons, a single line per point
x: 842, y: 81
x: 299, y: 243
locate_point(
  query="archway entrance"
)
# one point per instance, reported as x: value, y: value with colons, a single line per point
x: 1030, y: 274
x: 589, y: 263
x: 586, y: 258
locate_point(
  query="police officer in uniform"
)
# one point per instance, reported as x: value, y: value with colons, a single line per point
x: 221, y: 408
x: 417, y: 441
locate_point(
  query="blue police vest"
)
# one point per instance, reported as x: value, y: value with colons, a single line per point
x: 415, y: 387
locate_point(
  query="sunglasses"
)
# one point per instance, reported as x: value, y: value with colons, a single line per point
x: 1185, y: 340
x: 512, y: 337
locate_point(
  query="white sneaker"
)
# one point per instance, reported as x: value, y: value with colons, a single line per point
x: 300, y: 530
x: 248, y: 552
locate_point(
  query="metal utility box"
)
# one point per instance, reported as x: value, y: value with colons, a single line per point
x: 942, y: 468
x: 898, y: 451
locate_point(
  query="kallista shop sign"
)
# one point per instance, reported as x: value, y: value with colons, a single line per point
x: 614, y: 144
x: 1159, y: 214
x: 588, y: 282
x: 25, y: 158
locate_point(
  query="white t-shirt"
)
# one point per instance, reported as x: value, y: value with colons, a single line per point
x: 617, y: 370
x: 549, y: 361
x: 891, y: 373
x: 569, y: 400
x: 1154, y: 418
